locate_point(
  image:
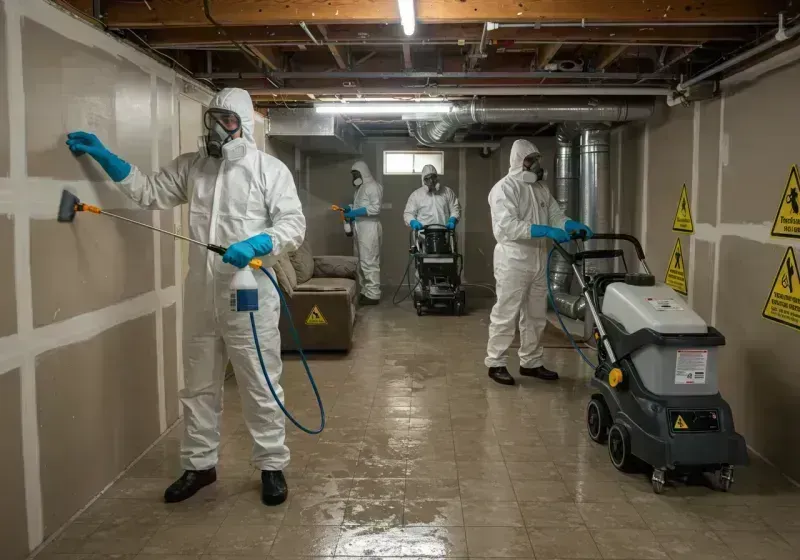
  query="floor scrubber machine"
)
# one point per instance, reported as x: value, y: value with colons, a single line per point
x: 657, y: 398
x: 438, y: 264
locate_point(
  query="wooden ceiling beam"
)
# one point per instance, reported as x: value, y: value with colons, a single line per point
x: 545, y: 54
x: 407, y: 62
x: 276, y: 12
x: 269, y: 56
x: 337, y: 56
x: 608, y: 55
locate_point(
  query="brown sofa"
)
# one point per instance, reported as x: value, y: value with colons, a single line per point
x: 321, y: 294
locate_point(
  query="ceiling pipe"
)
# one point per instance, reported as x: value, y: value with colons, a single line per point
x: 642, y: 24
x: 490, y: 111
x: 311, y: 36
x: 356, y: 75
x: 488, y: 147
x: 444, y: 91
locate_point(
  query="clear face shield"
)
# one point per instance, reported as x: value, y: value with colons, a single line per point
x: 357, y: 179
x: 431, y: 181
x: 532, y: 168
x: 222, y: 126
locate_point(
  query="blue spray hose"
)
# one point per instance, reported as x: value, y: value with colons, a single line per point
x: 302, y: 357
x: 558, y: 315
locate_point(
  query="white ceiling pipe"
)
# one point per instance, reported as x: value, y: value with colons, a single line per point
x: 441, y: 91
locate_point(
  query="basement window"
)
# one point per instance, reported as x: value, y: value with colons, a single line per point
x: 411, y: 162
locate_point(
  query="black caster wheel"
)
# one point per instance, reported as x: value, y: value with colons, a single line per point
x: 419, y: 309
x: 619, y: 448
x: 598, y: 420
x: 724, y: 478
x: 658, y: 479
x: 458, y: 308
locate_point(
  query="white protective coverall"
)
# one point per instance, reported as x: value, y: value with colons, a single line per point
x: 519, y: 261
x: 431, y: 208
x: 368, y: 232
x: 242, y: 194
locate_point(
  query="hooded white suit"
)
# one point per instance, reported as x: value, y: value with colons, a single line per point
x: 368, y: 232
x: 519, y: 261
x: 431, y: 208
x: 242, y: 194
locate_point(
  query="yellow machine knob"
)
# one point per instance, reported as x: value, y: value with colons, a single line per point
x: 615, y: 377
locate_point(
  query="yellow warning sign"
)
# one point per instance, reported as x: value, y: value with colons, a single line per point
x: 787, y: 218
x: 676, y: 271
x: 783, y: 304
x: 680, y: 424
x: 316, y: 317
x: 683, y: 215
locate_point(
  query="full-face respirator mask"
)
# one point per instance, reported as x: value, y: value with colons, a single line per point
x: 222, y: 126
x: 532, y: 169
x: 357, y: 179
x: 432, y: 182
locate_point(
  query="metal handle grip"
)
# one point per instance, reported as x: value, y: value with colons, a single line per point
x: 623, y: 237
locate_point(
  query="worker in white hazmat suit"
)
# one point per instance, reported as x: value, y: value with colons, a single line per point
x: 524, y: 215
x: 432, y: 203
x: 245, y: 200
x: 364, y: 214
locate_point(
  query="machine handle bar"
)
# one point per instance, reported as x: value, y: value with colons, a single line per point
x: 623, y: 237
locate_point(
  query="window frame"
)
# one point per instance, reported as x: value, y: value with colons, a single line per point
x: 414, y: 153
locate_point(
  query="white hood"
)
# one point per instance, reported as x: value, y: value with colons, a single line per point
x: 238, y: 101
x: 519, y: 151
x: 363, y: 168
x: 427, y: 170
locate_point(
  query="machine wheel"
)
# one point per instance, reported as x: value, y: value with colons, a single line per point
x: 725, y: 478
x: 419, y: 308
x: 598, y: 420
x: 658, y: 480
x: 458, y: 304
x: 619, y: 448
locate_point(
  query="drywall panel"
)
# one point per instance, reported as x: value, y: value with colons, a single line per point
x: 670, y: 167
x: 69, y: 86
x: 167, y: 250
x: 631, y: 185
x: 4, y: 132
x: 165, y: 104
x: 190, y: 114
x: 758, y: 366
x: 91, y: 263
x: 703, y: 287
x: 8, y: 296
x: 708, y: 162
x: 330, y: 183
x: 13, y: 520
x: 97, y: 406
x: 481, y: 175
x: 762, y: 136
x: 169, y: 320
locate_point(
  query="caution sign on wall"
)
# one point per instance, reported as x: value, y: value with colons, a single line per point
x: 783, y: 304
x: 787, y: 218
x: 683, y: 215
x: 676, y: 271
x: 315, y: 317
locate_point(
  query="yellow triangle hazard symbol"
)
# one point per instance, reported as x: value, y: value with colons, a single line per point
x: 676, y: 271
x: 783, y: 304
x: 787, y: 218
x: 315, y: 317
x: 680, y: 424
x: 683, y: 215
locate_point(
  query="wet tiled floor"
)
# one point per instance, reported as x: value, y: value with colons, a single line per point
x: 423, y: 456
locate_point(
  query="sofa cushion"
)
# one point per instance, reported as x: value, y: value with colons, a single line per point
x: 328, y: 285
x: 335, y: 266
x: 303, y: 263
x: 285, y: 275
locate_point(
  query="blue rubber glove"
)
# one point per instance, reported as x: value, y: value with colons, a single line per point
x: 86, y: 143
x: 415, y: 225
x: 451, y: 223
x: 572, y: 226
x: 346, y: 208
x: 558, y: 235
x: 355, y: 213
x: 240, y: 254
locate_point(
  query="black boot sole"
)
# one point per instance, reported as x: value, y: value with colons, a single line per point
x: 537, y: 376
x: 502, y: 380
x: 184, y: 497
x: 273, y: 501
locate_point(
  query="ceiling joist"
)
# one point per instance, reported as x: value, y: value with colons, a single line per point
x: 608, y: 55
x: 337, y: 56
x: 546, y: 53
x: 189, y: 13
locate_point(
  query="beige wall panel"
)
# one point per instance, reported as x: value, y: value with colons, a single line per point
x: 167, y: 250
x: 89, y: 264
x: 8, y: 295
x: 4, y: 132
x: 708, y: 163
x: 763, y: 137
x: 13, y: 519
x: 98, y: 410
x: 165, y: 112
x: 330, y: 183
x: 759, y: 367
x: 703, y: 288
x: 479, y: 242
x: 190, y: 114
x: 69, y: 86
x: 670, y: 166
x: 169, y: 318
x: 632, y: 185
x: 259, y: 133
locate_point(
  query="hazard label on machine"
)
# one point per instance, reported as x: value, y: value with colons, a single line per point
x: 315, y: 317
x: 680, y: 424
x: 787, y: 218
x: 690, y: 367
x: 676, y: 271
x: 783, y: 304
x: 683, y: 215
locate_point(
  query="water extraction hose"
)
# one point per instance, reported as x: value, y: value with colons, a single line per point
x: 70, y: 205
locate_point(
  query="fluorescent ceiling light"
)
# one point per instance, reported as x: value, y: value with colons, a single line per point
x: 383, y: 108
x: 407, y: 16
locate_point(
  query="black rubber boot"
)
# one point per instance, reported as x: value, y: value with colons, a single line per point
x: 501, y: 375
x: 540, y: 372
x: 189, y: 484
x: 274, y: 489
x: 364, y: 300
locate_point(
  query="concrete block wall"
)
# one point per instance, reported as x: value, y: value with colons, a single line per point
x: 734, y: 155
x: 89, y: 355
